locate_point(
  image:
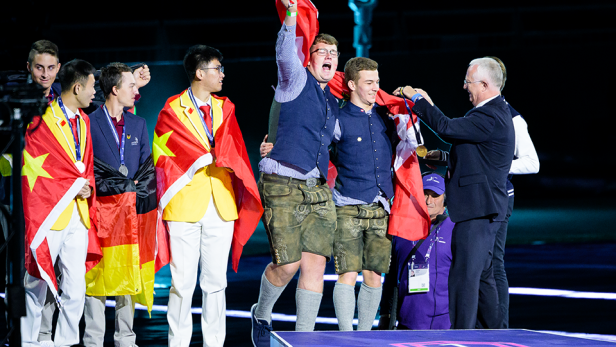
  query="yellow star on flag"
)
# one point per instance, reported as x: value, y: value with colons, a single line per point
x: 33, y: 168
x: 159, y: 146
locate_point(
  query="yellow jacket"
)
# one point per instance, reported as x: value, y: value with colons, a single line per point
x: 191, y: 202
x: 54, y: 117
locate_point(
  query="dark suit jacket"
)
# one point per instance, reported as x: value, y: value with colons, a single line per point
x: 136, y: 148
x: 482, y: 150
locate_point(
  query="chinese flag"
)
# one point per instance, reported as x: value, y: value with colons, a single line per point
x: 178, y: 154
x: 50, y: 182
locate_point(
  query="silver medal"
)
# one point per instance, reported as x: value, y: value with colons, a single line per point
x: 123, y: 170
x: 80, y: 166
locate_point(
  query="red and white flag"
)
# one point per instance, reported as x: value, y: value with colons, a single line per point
x: 307, y: 26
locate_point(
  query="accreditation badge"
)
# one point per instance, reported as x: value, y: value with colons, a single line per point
x: 419, y: 278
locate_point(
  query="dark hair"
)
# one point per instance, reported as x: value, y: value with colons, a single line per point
x: 198, y: 56
x: 42, y: 47
x: 111, y: 76
x: 75, y: 71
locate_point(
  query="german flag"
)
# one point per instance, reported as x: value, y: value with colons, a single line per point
x: 126, y: 231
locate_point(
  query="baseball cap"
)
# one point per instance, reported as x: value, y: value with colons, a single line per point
x: 435, y: 183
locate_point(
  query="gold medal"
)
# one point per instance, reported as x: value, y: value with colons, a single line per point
x: 421, y: 151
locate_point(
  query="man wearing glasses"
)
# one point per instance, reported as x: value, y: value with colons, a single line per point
x: 202, y: 167
x: 481, y: 154
x: 299, y: 214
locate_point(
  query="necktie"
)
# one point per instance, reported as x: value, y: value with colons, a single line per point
x: 207, y: 117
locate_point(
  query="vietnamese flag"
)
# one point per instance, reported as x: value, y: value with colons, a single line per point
x: 409, y: 216
x: 178, y: 155
x: 50, y: 182
x: 307, y: 26
x: 127, y: 234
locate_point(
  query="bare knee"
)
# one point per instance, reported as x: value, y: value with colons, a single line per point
x: 280, y: 275
x: 348, y: 278
x: 311, y: 274
x: 371, y: 278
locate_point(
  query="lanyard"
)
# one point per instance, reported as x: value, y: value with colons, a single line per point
x: 209, y: 133
x: 115, y: 134
x: 411, y: 116
x: 434, y: 237
x: 77, y: 149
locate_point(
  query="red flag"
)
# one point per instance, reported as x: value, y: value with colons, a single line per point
x: 173, y: 171
x: 307, y: 26
x: 409, y: 216
x: 50, y: 182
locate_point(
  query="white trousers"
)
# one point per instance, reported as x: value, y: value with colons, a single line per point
x: 94, y: 315
x: 71, y: 246
x: 203, y: 244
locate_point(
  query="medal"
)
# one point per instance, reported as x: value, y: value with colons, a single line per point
x: 421, y: 151
x: 121, y: 144
x: 123, y: 170
x: 80, y: 166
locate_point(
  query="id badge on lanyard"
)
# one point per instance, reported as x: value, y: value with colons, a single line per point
x: 419, y: 277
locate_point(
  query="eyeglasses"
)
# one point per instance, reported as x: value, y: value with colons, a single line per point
x: 469, y: 82
x: 220, y: 68
x: 323, y: 52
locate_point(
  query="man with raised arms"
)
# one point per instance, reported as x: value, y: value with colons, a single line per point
x: 299, y: 214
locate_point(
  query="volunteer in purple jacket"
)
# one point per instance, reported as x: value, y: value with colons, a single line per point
x: 422, y: 307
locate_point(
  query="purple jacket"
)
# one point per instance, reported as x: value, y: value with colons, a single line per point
x: 422, y: 311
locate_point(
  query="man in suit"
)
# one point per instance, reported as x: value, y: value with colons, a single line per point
x: 120, y: 139
x: 481, y: 154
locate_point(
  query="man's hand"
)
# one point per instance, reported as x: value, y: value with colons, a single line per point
x: 433, y: 155
x: 410, y: 91
x: 142, y: 76
x: 86, y: 191
x: 291, y: 6
x: 266, y: 147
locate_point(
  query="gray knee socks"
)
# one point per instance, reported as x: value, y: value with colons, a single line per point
x: 367, y: 304
x: 344, y: 305
x: 268, y: 295
x: 308, y: 304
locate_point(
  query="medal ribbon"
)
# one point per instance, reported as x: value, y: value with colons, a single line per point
x: 76, y: 140
x: 412, y: 121
x: 115, y: 134
x: 210, y: 134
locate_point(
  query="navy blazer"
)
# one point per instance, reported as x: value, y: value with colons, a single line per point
x: 137, y: 143
x: 482, y: 148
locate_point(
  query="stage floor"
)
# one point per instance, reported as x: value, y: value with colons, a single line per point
x: 429, y: 338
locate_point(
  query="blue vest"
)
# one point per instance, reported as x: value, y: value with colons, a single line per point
x: 363, y: 155
x: 302, y: 129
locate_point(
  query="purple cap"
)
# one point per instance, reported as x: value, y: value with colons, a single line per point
x: 435, y: 183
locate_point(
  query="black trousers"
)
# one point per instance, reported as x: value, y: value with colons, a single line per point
x: 473, y: 297
x: 500, y: 276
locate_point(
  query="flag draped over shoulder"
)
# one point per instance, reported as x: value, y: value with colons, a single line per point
x: 126, y: 231
x: 409, y: 216
x: 50, y: 182
x: 307, y: 26
x: 178, y: 155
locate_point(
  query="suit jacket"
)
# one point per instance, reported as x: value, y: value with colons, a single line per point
x: 137, y: 143
x: 481, y: 153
